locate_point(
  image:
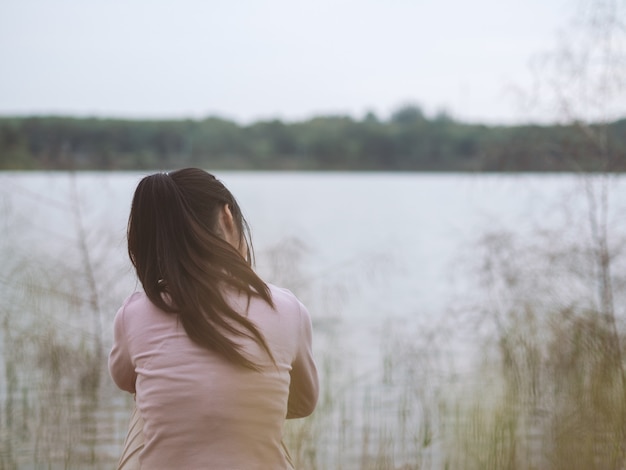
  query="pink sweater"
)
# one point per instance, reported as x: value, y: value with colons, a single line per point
x: 200, y: 411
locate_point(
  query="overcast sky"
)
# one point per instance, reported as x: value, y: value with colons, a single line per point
x: 289, y: 59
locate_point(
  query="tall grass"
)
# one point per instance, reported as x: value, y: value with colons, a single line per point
x: 527, y: 374
x: 51, y: 390
x: 554, y: 394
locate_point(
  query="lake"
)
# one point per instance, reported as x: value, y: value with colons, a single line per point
x: 384, y: 261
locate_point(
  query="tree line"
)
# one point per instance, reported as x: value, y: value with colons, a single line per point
x: 407, y: 141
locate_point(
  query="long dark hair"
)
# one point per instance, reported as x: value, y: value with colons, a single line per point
x: 184, y: 264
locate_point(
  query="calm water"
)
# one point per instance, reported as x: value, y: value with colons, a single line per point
x: 372, y: 255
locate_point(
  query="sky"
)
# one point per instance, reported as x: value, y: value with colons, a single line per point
x: 250, y: 60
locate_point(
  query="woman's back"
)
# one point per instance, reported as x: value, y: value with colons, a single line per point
x: 217, y: 358
x: 201, y: 410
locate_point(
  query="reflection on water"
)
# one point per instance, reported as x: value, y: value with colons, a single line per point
x: 456, y: 323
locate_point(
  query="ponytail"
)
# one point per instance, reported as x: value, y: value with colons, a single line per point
x: 183, y: 263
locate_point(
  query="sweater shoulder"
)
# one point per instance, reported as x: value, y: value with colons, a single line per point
x: 138, y: 309
x: 281, y: 295
x: 287, y: 302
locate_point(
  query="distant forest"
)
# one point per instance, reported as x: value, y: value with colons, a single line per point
x: 407, y: 141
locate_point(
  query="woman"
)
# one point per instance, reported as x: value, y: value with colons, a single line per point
x: 216, y: 358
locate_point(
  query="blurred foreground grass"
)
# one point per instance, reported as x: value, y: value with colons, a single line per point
x: 526, y: 373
